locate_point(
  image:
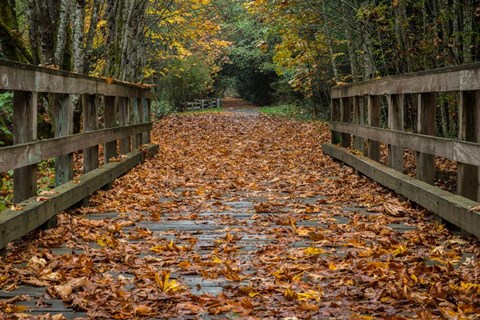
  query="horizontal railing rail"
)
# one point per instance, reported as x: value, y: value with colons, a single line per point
x: 124, y: 135
x: 359, y: 122
x: 201, y: 104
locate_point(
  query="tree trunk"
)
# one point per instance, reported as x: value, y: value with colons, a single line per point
x: 467, y: 31
x: 90, y: 36
x: 78, y: 25
x: 46, y: 33
x: 11, y: 43
x: 62, y: 32
x: 33, y: 31
x: 400, y: 30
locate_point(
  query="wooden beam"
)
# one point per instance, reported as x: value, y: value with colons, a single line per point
x: 373, y: 120
x: 346, y: 103
x: 462, y: 151
x: 468, y: 176
x: 90, y: 123
x: 426, y: 125
x: 110, y: 117
x: 124, y: 120
x: 63, y: 114
x: 25, y: 77
x: 395, y: 122
x: 458, y: 78
x: 25, y: 130
x: 34, y: 213
x: 358, y: 118
x: 146, y: 118
x: 21, y: 155
x: 335, y: 116
x: 451, y: 207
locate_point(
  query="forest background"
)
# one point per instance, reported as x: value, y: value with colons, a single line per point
x: 267, y: 51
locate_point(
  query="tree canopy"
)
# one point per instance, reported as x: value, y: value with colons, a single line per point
x: 262, y: 50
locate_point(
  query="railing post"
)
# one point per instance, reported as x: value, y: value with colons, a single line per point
x: 346, y: 117
x: 335, y: 116
x: 25, y: 130
x: 395, y: 122
x: 469, y: 130
x: 426, y: 125
x: 219, y: 103
x: 139, y: 119
x: 134, y: 120
x: 63, y: 114
x: 124, y: 120
x: 110, y: 115
x: 373, y: 119
x: 90, y: 123
x: 146, y: 118
x: 359, y: 118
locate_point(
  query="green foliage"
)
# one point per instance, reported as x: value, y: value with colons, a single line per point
x: 6, y: 118
x: 289, y: 111
x: 161, y: 106
x: 183, y: 80
x: 249, y: 72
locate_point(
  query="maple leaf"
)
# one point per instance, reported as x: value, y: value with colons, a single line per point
x: 165, y: 284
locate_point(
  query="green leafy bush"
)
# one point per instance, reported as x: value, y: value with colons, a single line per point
x: 6, y: 118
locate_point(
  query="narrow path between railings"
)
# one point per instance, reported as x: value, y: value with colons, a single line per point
x: 243, y: 216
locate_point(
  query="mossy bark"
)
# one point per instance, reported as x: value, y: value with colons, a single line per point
x: 12, y: 45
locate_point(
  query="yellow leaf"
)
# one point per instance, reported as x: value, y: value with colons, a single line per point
x: 312, y: 251
x: 165, y: 284
x: 14, y: 308
x: 332, y: 266
x: 309, y: 295
x: 399, y: 250
x: 216, y: 259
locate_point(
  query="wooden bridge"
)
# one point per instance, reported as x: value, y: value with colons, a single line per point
x: 125, y: 135
x: 238, y: 215
x: 356, y: 110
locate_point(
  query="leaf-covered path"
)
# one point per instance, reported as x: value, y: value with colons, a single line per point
x: 242, y: 216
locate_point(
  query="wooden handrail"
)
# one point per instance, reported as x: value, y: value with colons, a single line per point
x: 127, y: 128
x: 356, y: 116
x: 459, y: 78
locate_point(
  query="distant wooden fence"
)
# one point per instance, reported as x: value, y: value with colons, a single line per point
x: 356, y: 112
x: 126, y: 128
x: 201, y: 104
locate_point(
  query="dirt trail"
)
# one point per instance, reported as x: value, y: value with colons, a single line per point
x: 242, y: 216
x: 239, y: 105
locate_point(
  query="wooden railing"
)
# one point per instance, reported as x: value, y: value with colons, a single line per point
x: 356, y: 117
x: 126, y: 117
x: 200, y: 104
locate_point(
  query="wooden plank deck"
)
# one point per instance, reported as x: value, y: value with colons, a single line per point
x: 326, y: 237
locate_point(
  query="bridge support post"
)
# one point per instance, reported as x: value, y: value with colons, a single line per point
x: 469, y: 123
x: 346, y: 117
x: 139, y: 119
x: 395, y: 122
x: 373, y: 119
x: 124, y: 120
x: 335, y: 116
x: 25, y: 130
x: 359, y: 118
x: 426, y: 125
x: 145, y: 119
x: 90, y: 123
x: 63, y: 114
x: 110, y: 116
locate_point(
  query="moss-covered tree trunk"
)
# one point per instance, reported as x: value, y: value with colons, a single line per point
x: 11, y: 42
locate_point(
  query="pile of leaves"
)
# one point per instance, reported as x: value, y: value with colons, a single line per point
x: 298, y: 236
